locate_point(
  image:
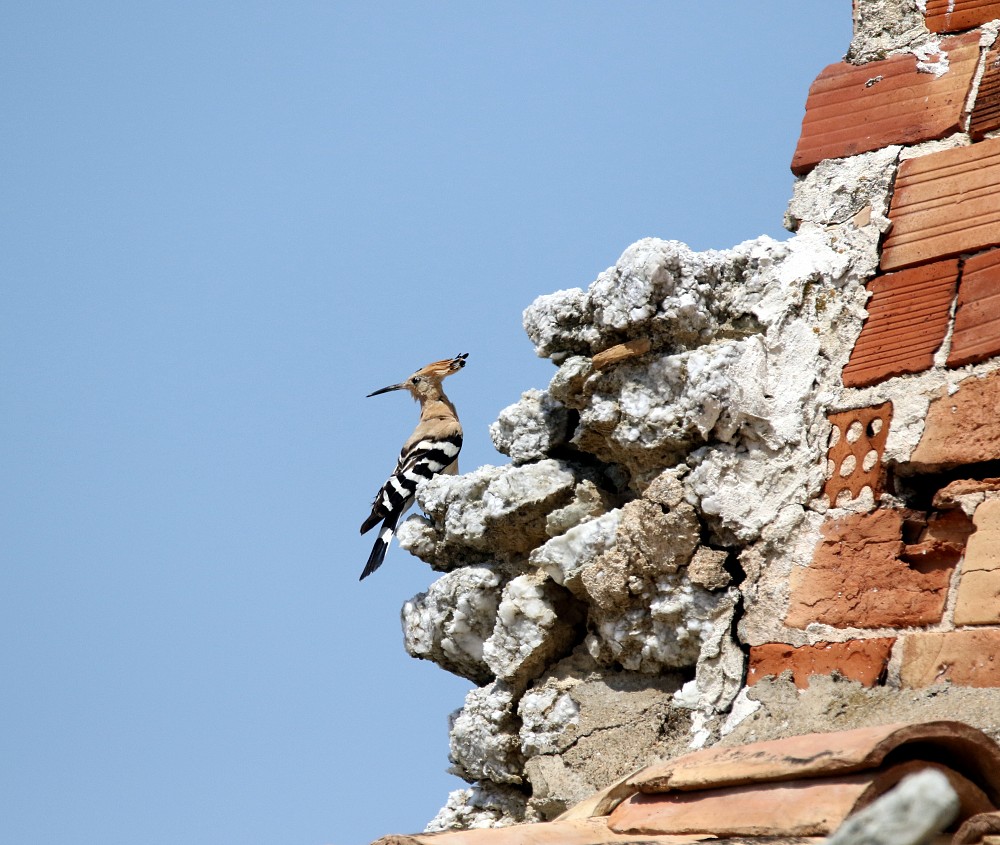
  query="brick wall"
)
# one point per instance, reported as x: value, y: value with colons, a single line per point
x: 904, y: 583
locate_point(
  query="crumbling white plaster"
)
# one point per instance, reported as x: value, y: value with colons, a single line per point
x: 535, y: 625
x: 483, y: 743
x: 450, y: 622
x: 484, y: 806
x: 528, y: 429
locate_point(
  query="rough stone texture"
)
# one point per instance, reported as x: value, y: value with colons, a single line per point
x: 487, y: 513
x: 854, y: 460
x: 944, y: 203
x: 978, y: 601
x: 864, y: 661
x: 956, y: 15
x: 583, y: 728
x: 858, y: 578
x: 907, y: 320
x: 450, y: 622
x: 480, y: 807
x: 969, y: 658
x: 855, y: 109
x: 708, y: 569
x: 886, y: 27
x: 961, y: 428
x: 922, y: 805
x: 484, y: 744
x: 976, y: 335
x: 564, y: 557
x: 985, y: 115
x: 535, y: 625
x: 527, y: 430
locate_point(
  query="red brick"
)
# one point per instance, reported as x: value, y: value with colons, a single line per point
x: 858, y: 660
x: 977, y: 321
x: 956, y: 15
x: 856, y: 108
x: 969, y: 658
x: 944, y: 203
x: 963, y: 428
x: 985, y: 115
x: 908, y: 317
x: 857, y: 442
x: 858, y: 579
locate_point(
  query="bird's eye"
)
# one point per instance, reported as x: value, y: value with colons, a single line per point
x: 415, y: 380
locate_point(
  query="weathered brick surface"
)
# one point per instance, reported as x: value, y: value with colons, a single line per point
x: 858, y: 578
x: 985, y: 115
x: 907, y: 321
x: 963, y: 428
x: 956, y: 15
x: 977, y: 320
x: 968, y: 658
x: 859, y: 660
x: 854, y: 460
x: 979, y: 584
x: 944, y: 203
x: 853, y: 109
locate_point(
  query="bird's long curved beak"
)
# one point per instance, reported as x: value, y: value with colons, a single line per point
x: 386, y: 389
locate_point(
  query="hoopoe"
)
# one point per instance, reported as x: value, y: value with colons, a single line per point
x: 432, y: 449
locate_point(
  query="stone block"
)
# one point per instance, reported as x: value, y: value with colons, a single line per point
x: 978, y: 600
x: 944, y: 204
x: 908, y: 316
x: 968, y: 658
x: 853, y: 109
x: 976, y: 336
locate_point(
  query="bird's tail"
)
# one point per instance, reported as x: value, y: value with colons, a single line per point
x: 381, y: 545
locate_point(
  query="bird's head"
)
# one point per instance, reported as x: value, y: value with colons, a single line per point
x: 425, y: 383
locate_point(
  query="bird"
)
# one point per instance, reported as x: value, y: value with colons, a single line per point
x: 431, y: 450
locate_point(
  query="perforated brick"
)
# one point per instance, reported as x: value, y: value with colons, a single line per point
x: 854, y: 459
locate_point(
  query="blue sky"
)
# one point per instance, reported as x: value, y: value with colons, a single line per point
x: 224, y: 224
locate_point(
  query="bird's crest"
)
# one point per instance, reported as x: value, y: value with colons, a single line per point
x: 432, y: 374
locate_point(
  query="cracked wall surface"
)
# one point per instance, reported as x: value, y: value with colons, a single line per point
x: 745, y: 460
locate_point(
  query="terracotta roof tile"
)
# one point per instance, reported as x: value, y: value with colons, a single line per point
x: 985, y: 115
x: 856, y: 108
x: 821, y: 754
x: 977, y: 320
x: 593, y: 831
x: 955, y: 15
x: 907, y: 321
x: 805, y: 807
x: 944, y: 203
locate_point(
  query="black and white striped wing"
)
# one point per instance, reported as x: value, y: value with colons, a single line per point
x: 423, y: 459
